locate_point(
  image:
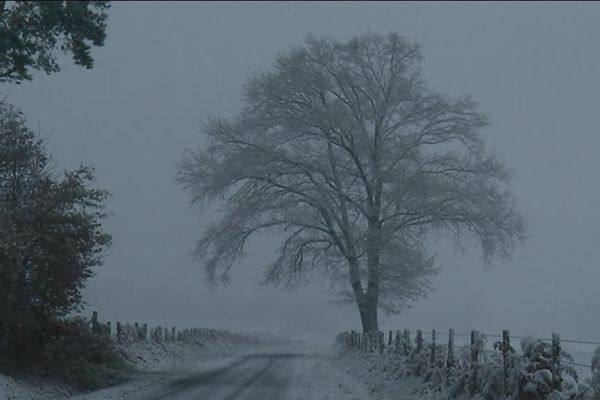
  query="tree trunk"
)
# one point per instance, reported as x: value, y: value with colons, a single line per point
x: 368, y: 307
x: 366, y: 300
x: 368, y: 315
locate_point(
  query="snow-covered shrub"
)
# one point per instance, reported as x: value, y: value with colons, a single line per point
x: 485, y: 377
x: 435, y: 375
x: 82, y: 359
x: 592, y: 388
x: 418, y: 361
x: 405, y: 344
x: 535, y: 370
x: 459, y: 377
x: 536, y: 378
x: 465, y: 377
x: 491, y: 377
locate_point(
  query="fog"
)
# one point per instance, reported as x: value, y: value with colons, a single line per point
x: 167, y: 66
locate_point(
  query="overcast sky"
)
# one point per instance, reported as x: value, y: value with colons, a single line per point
x: 167, y: 66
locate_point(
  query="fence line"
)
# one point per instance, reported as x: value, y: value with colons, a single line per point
x: 136, y: 332
x: 401, y: 344
x: 493, y: 335
x: 547, y: 340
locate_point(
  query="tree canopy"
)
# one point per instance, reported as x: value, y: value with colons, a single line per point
x: 345, y: 151
x: 32, y: 31
x: 51, y: 238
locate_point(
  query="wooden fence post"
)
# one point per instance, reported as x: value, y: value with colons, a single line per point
x: 108, y: 329
x: 419, y: 340
x: 381, y: 340
x: 374, y: 340
x: 390, y: 339
x: 119, y: 332
x: 397, y: 343
x: 361, y: 341
x: 474, y: 359
x: 95, y: 322
x: 173, y: 337
x: 406, y: 344
x: 556, y: 350
x: 450, y: 356
x: 432, y: 354
x: 505, y: 353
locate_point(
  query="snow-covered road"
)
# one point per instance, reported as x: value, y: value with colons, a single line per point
x: 260, y: 376
x: 268, y: 373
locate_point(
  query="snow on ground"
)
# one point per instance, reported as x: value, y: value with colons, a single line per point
x: 158, y: 363
x: 320, y: 374
x: 319, y: 377
x: 179, y: 356
x: 382, y: 375
x: 31, y: 389
x: 382, y: 380
x: 148, y: 381
x: 155, y: 363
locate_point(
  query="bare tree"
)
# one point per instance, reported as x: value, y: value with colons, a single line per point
x: 345, y: 151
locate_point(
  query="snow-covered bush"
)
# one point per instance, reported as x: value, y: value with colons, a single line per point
x: 595, y: 380
x: 491, y: 377
x: 466, y: 375
x: 418, y: 361
x: 590, y: 390
x: 532, y: 375
x: 435, y: 375
x: 536, y: 377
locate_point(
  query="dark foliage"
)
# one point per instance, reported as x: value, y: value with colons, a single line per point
x: 32, y: 31
x: 50, y: 242
x: 68, y: 351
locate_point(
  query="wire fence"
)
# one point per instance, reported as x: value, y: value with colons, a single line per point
x: 519, y: 337
x: 477, y: 364
x: 495, y: 335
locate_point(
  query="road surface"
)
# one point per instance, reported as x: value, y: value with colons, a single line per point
x: 253, y: 377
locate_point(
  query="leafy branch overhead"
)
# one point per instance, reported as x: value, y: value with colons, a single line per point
x: 32, y: 31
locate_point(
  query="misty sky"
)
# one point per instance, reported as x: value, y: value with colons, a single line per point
x: 167, y: 66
